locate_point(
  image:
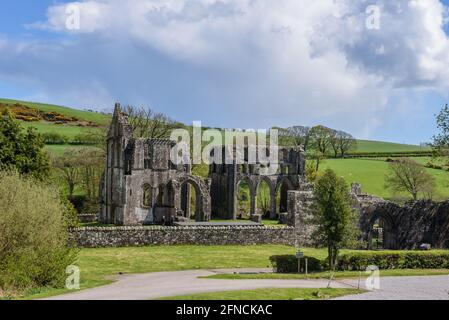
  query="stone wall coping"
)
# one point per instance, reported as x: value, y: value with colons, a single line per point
x: 178, y: 228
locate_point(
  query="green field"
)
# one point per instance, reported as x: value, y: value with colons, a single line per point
x: 60, y: 149
x: 66, y: 130
x: 99, y: 118
x: 382, y: 146
x: 371, y: 174
x: 99, y: 264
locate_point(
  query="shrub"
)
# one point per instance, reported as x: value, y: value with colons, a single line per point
x: 21, y: 149
x: 54, y: 138
x: 394, y: 260
x: 289, y: 264
x: 33, y: 235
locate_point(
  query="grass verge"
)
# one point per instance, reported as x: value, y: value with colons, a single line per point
x: 327, y: 274
x: 269, y: 294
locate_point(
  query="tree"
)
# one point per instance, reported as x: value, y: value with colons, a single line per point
x: 406, y: 175
x: 91, y: 169
x: 297, y: 136
x: 146, y: 123
x: 69, y: 164
x: 342, y: 142
x: 334, y: 216
x: 442, y: 138
x: 320, y: 138
x: 34, y: 249
x: 21, y: 149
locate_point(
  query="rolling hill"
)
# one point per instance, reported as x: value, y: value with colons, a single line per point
x: 369, y: 172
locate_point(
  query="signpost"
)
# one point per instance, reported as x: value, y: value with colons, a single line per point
x: 299, y: 256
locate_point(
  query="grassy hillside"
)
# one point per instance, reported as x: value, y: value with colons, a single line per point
x: 371, y: 174
x: 382, y: 146
x: 66, y: 130
x: 99, y: 118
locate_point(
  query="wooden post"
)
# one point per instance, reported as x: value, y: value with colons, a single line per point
x: 306, y: 265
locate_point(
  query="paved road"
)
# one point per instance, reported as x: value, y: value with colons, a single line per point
x: 165, y: 284
x: 405, y: 288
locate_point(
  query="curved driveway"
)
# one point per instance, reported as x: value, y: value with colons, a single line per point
x: 166, y: 284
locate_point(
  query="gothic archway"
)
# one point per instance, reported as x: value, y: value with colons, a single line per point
x: 244, y: 198
x: 283, y: 186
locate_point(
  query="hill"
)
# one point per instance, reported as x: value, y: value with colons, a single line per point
x: 382, y: 146
x: 369, y: 172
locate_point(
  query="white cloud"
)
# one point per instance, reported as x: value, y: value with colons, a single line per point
x: 272, y: 62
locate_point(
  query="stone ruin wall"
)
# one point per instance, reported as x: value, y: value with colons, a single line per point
x: 92, y: 237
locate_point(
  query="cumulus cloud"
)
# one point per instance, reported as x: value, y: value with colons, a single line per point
x: 243, y: 63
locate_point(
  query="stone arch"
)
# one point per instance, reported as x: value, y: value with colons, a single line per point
x: 165, y: 195
x: 202, y: 197
x: 252, y: 195
x: 272, y: 195
x: 379, y: 227
x: 186, y: 198
x: 147, y: 195
x: 282, y: 187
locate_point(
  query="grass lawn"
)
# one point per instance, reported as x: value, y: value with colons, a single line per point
x: 270, y: 294
x: 337, y: 275
x: 265, y: 222
x: 371, y: 174
x: 97, y: 265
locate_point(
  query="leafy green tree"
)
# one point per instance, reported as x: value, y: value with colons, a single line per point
x: 334, y: 216
x: 440, y: 142
x: 34, y: 250
x: 320, y: 138
x: 406, y: 175
x: 20, y: 149
x: 342, y: 142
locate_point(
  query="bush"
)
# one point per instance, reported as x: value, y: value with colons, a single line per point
x: 394, y: 260
x: 54, y: 138
x: 34, y: 251
x: 289, y: 264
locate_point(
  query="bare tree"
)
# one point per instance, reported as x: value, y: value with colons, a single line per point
x: 146, y: 123
x: 68, y: 165
x: 406, y: 175
x: 342, y: 142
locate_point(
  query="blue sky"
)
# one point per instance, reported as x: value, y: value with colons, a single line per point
x: 229, y: 63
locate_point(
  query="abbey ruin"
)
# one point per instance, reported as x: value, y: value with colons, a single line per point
x: 141, y: 185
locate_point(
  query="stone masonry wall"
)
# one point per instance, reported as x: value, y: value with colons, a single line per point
x: 200, y: 235
x: 299, y: 214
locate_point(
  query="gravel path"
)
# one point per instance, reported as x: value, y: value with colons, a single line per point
x: 405, y: 288
x: 165, y: 284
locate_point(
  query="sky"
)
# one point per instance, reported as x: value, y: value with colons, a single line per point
x: 376, y: 69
